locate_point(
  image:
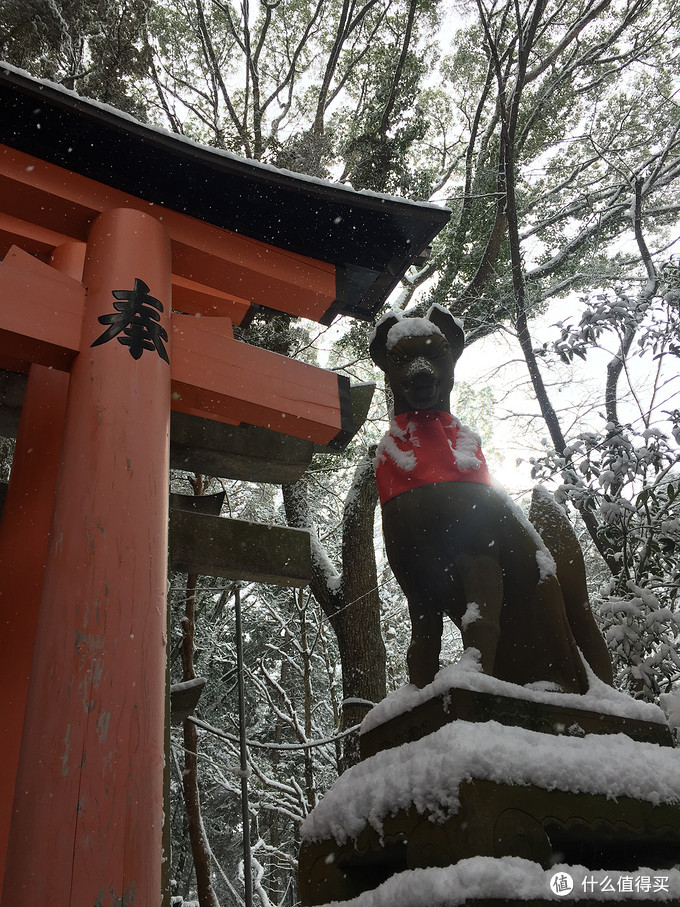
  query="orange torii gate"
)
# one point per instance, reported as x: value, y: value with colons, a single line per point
x: 128, y: 255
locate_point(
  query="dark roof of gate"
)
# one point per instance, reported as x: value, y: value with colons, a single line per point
x: 371, y: 239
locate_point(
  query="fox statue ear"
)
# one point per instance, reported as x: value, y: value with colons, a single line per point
x: 377, y: 345
x: 450, y: 327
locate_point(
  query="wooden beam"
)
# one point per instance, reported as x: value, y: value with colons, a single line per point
x: 361, y: 396
x: 198, y: 503
x: 212, y: 374
x: 238, y: 549
x: 197, y: 299
x: 33, y: 238
x: 265, y: 275
x: 248, y: 452
x: 41, y: 312
x: 281, y: 555
x: 227, y: 380
x: 197, y: 444
x: 66, y: 203
x: 188, y: 295
x: 244, y: 452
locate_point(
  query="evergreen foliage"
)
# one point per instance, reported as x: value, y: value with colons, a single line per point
x: 627, y: 474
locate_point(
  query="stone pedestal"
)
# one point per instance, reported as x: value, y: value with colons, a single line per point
x: 466, y: 755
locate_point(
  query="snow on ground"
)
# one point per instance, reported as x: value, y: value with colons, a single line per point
x: 485, y: 877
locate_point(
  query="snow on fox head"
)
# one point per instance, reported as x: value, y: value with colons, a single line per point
x: 418, y: 356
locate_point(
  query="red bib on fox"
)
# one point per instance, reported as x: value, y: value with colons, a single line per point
x: 425, y: 447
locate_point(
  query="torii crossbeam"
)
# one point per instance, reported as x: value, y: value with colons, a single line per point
x: 117, y: 297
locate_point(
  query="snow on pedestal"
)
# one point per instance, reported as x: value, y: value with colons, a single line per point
x: 608, y: 764
x: 467, y: 674
x: 487, y: 878
x: 602, y: 778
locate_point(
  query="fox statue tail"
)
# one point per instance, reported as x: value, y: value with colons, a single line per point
x: 560, y: 539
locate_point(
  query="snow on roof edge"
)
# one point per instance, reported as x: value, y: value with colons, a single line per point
x: 221, y: 153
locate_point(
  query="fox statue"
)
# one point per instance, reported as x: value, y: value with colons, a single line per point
x: 456, y: 542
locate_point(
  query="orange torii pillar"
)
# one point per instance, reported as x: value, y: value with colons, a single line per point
x: 24, y: 531
x: 89, y: 792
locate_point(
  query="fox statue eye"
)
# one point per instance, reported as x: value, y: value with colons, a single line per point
x: 438, y: 348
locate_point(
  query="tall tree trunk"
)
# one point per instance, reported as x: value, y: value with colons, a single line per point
x: 509, y: 104
x: 615, y: 366
x: 357, y: 625
x: 349, y: 598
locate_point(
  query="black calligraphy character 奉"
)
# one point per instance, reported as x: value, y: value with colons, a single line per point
x: 137, y: 318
